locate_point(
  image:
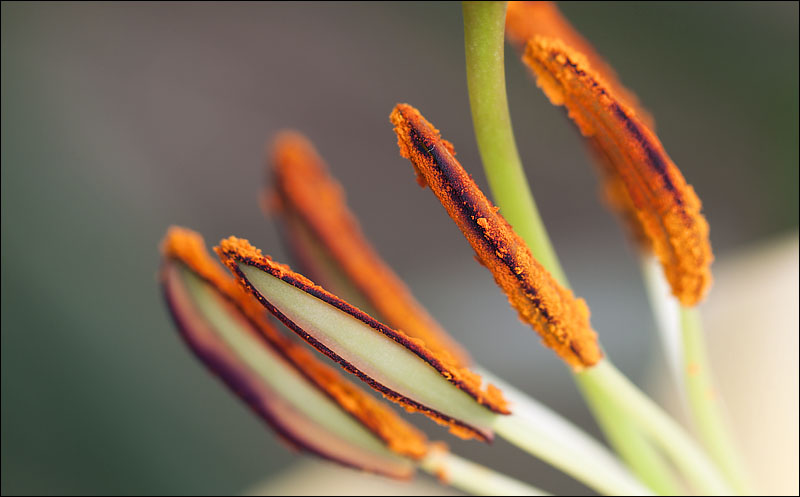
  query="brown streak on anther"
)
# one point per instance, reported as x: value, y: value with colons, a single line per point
x: 561, y: 320
x: 665, y: 208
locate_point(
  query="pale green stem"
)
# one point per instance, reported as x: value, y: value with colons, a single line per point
x: 666, y: 312
x: 634, y: 448
x: 484, y: 26
x: 682, y: 337
x: 708, y: 417
x: 676, y: 443
x: 473, y: 478
x: 541, y: 432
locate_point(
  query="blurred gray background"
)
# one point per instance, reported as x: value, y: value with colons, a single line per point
x: 121, y: 119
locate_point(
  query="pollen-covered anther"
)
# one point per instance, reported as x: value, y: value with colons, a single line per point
x: 402, y: 368
x: 662, y: 206
x: 560, y: 319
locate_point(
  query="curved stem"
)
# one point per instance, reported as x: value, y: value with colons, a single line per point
x: 541, y: 432
x: 707, y: 412
x: 632, y: 446
x: 666, y: 312
x: 484, y: 26
x: 683, y: 341
x: 681, y: 448
x: 473, y: 478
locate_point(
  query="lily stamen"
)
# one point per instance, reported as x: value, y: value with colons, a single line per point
x: 667, y: 208
x: 561, y: 320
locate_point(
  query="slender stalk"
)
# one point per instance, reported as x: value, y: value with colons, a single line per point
x: 681, y: 448
x: 473, y: 478
x: 634, y: 448
x: 666, y: 311
x: 518, y: 431
x: 484, y: 25
x: 707, y: 412
x: 684, y: 346
x: 541, y: 432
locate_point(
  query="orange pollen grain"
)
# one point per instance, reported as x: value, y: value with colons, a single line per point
x: 235, y: 250
x: 560, y: 319
x: 665, y: 207
x: 309, y: 195
x: 187, y: 246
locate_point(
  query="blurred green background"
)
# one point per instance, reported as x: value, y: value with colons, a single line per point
x: 121, y: 119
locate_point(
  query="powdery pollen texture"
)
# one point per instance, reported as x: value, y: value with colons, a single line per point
x: 306, y: 193
x: 526, y: 20
x: 233, y: 251
x: 560, y: 319
x: 188, y: 248
x: 665, y: 207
